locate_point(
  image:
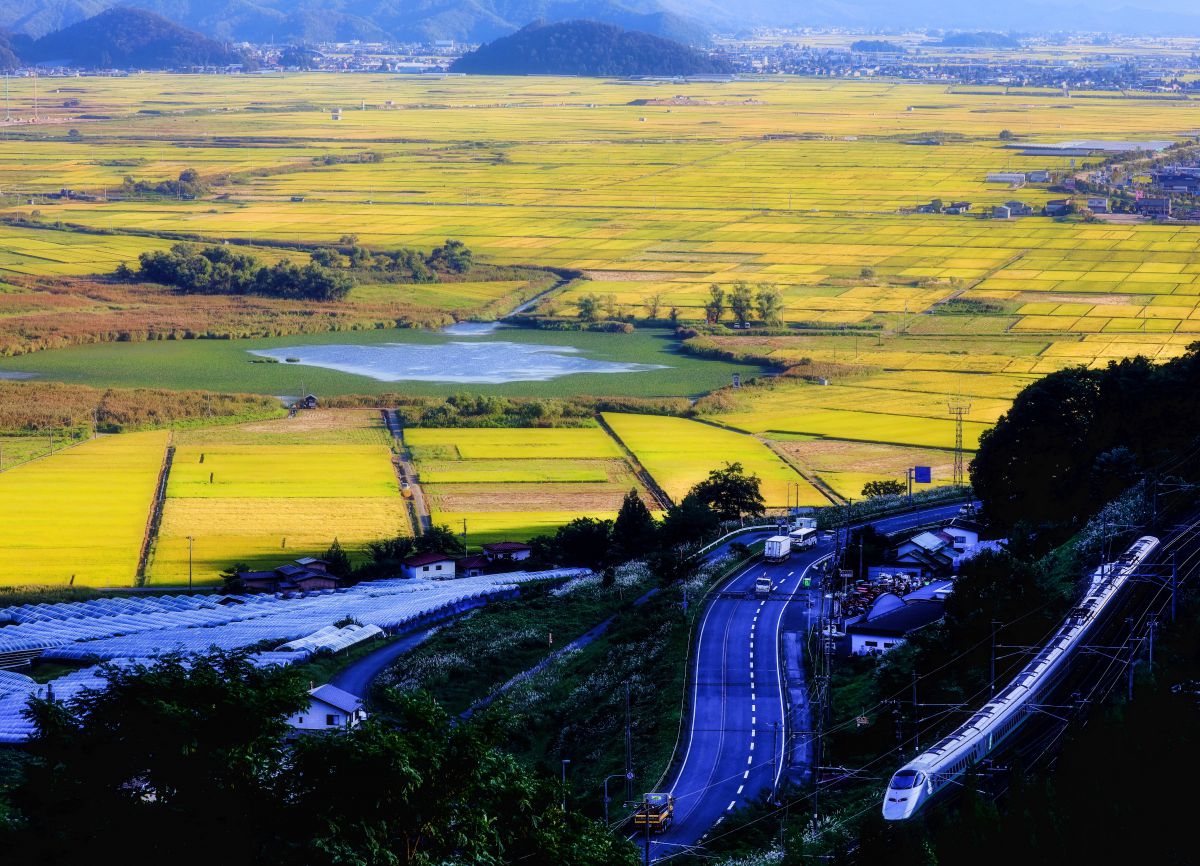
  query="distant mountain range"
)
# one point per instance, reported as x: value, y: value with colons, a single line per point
x: 118, y: 38
x: 689, y: 21
x: 282, y: 21
x: 586, y: 48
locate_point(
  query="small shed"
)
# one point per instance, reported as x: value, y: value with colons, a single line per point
x: 329, y: 709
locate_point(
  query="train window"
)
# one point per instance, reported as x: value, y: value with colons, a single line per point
x: 905, y: 779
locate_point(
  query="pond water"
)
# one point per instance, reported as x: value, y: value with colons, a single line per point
x: 480, y: 363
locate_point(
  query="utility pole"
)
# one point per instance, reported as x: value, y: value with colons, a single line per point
x: 1174, y: 581
x: 646, y: 816
x: 993, y: 686
x: 190, y: 541
x: 775, y: 757
x: 628, y: 749
x: 1129, y: 664
x: 1153, y: 623
x: 565, y: 761
x: 916, y: 718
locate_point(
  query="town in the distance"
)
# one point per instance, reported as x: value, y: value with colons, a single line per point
x: 599, y: 433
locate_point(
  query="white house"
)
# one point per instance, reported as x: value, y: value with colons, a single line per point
x: 432, y: 565
x: 329, y: 708
x: 964, y: 534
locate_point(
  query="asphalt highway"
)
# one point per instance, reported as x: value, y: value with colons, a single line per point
x: 734, y: 738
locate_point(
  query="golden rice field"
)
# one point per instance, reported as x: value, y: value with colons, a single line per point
x: 798, y: 183
x: 268, y: 492
x: 512, y: 484
x: 79, y: 515
x: 679, y: 453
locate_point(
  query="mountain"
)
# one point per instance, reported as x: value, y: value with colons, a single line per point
x: 129, y: 39
x: 586, y: 48
x: 265, y: 21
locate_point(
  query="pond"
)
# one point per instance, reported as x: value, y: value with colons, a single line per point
x: 492, y: 362
x: 487, y: 359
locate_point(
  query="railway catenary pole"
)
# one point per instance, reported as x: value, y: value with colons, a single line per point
x: 1129, y: 663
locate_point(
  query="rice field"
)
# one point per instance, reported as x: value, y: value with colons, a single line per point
x: 268, y: 492
x: 79, y: 516
x: 512, y: 484
x: 679, y: 453
x: 797, y: 183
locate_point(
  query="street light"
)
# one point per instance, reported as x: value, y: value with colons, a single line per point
x: 628, y: 777
x: 565, y: 761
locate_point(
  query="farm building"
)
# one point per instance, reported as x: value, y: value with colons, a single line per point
x: 1098, y: 205
x: 303, y: 575
x: 507, y: 551
x: 1019, y: 208
x: 329, y: 709
x: 1154, y: 207
x: 1013, y: 178
x: 475, y: 565
x: 1038, y: 176
x: 434, y: 565
x: 1059, y: 207
x: 1001, y: 212
x: 889, y: 621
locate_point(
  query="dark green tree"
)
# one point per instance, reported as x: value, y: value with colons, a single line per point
x: 883, y: 487
x: 714, y: 309
x: 635, y: 531
x: 741, y: 302
x: 688, y: 522
x: 440, y: 539
x: 731, y: 493
x: 586, y: 541
x: 122, y: 773
x: 338, y: 562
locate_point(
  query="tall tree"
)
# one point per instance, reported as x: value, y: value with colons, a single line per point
x: 731, y: 493
x: 770, y: 304
x: 715, y: 308
x: 338, y: 562
x: 634, y: 532
x: 688, y: 522
x: 741, y: 302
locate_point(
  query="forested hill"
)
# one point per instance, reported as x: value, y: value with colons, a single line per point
x: 587, y: 48
x: 129, y: 39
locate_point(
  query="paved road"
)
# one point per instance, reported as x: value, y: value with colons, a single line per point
x: 735, y: 729
x: 358, y: 677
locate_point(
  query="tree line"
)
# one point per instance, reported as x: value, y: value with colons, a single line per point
x: 219, y: 270
x: 187, y: 760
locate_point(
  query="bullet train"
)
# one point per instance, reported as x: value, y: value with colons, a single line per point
x: 941, y: 766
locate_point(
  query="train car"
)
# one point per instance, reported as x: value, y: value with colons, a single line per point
x: 939, y: 768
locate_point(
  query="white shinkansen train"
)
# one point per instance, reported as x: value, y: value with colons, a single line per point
x: 941, y: 766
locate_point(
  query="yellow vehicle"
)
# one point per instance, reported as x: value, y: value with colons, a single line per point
x: 656, y: 811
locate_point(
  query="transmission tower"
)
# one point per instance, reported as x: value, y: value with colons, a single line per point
x: 958, y: 408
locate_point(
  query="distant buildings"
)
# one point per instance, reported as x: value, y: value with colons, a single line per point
x: 1012, y: 178
x: 1155, y: 207
x: 303, y: 575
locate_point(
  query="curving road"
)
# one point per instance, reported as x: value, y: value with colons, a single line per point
x: 735, y: 728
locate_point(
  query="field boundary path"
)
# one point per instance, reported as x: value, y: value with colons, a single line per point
x: 154, y: 518
x: 660, y: 496
x: 804, y: 472
x: 406, y: 471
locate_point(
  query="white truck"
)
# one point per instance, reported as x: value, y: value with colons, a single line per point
x: 777, y: 548
x: 763, y: 586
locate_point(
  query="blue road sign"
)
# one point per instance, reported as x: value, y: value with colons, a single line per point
x: 922, y: 475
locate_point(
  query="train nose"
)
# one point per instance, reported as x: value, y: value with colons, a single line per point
x: 899, y: 805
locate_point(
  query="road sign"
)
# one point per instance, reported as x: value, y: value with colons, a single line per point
x: 922, y: 475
